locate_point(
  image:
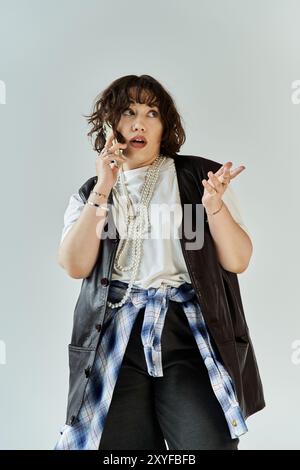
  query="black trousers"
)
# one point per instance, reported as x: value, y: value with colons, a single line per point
x: 179, y: 407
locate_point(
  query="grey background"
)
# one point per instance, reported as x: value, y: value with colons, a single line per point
x: 229, y: 64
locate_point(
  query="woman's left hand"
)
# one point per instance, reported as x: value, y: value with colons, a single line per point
x: 216, y: 185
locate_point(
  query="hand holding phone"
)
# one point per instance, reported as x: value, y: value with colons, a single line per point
x: 106, y: 168
x: 107, y: 131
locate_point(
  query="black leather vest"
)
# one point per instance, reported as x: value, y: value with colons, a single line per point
x: 217, y: 291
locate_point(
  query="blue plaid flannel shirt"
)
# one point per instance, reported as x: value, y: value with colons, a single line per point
x: 86, y: 433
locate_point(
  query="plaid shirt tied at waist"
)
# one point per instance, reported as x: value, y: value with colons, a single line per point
x: 87, y: 430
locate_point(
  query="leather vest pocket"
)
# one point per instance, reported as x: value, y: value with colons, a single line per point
x: 80, y: 364
x: 116, y: 293
x: 242, y: 346
x: 235, y: 309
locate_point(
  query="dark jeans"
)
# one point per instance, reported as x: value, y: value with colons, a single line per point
x: 179, y: 407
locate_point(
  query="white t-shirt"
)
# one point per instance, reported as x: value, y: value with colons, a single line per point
x: 162, y: 258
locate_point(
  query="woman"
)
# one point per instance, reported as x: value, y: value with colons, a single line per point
x: 160, y: 349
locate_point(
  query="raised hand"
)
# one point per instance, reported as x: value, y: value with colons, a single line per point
x: 216, y: 185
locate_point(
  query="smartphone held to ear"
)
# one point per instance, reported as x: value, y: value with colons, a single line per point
x: 107, y: 131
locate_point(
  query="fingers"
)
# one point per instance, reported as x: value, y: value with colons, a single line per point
x: 114, y: 146
x: 214, y: 181
x: 111, y: 156
x: 112, y: 152
x: 114, y: 160
x: 214, y: 184
x: 226, y: 165
x: 226, y: 175
x: 209, y: 188
x: 237, y: 171
x: 109, y: 140
x: 225, y: 170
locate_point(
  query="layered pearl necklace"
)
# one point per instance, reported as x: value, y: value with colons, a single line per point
x: 136, y: 223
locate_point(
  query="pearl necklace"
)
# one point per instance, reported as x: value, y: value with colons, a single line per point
x: 136, y: 223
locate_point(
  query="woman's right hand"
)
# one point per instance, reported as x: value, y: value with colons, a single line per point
x: 106, y: 171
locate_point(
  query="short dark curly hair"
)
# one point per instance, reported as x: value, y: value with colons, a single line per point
x: 111, y: 102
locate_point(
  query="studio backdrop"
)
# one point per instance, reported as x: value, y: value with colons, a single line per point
x: 233, y: 69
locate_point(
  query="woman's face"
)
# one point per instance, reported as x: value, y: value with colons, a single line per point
x: 140, y: 119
